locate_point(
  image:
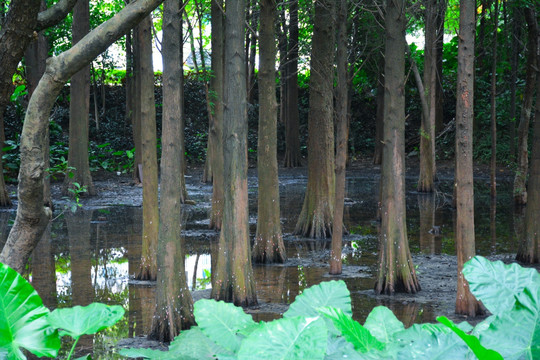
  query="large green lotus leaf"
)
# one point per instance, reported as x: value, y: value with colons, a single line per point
x: 22, y: 318
x: 497, y: 284
x: 351, y: 330
x: 193, y: 343
x: 296, y: 338
x: 472, y: 341
x: 383, y: 324
x: 221, y: 322
x: 85, y: 320
x: 339, y: 348
x: 516, y: 333
x: 329, y: 293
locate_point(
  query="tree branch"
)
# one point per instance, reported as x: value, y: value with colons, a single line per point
x: 55, y: 14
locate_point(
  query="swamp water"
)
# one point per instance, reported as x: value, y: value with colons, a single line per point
x: 90, y: 256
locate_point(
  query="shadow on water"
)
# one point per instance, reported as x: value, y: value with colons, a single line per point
x: 89, y: 256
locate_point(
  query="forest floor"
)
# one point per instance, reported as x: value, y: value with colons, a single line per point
x: 437, y: 273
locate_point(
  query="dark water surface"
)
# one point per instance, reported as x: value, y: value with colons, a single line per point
x: 89, y: 256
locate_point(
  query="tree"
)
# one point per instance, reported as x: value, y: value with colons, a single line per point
x: 493, y: 101
x: 396, y: 269
x: 315, y: 219
x: 342, y: 126
x: 32, y: 217
x: 268, y: 246
x: 79, y: 106
x: 148, y: 269
x: 465, y: 302
x: 522, y: 161
x: 233, y: 279
x: 174, y: 304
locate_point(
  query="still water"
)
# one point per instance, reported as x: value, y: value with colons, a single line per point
x: 89, y: 256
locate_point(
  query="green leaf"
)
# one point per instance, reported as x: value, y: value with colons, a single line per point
x: 338, y: 348
x: 221, y: 322
x: 288, y: 338
x: 472, y: 341
x: 194, y: 344
x: 351, y: 330
x: 330, y: 293
x: 85, y: 320
x: 383, y: 324
x: 497, y: 284
x: 23, y: 318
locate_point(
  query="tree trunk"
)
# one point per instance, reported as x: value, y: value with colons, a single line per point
x: 465, y: 302
x: 292, y: 123
x: 522, y: 168
x: 379, y: 125
x: 315, y: 220
x: 268, y: 246
x: 136, y: 113
x: 493, y: 102
x: 342, y: 128
x: 396, y: 269
x: 515, y: 36
x: 215, y: 133
x: 174, y: 304
x: 234, y: 281
x: 79, y: 106
x: 148, y: 269
x: 32, y: 217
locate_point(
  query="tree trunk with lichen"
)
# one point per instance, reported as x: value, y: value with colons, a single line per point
x: 233, y: 279
x: 268, y: 246
x: 396, y: 269
x: 32, y: 217
x: 174, y: 304
x: 315, y: 219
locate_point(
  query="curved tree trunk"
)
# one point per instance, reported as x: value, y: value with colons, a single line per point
x: 79, y: 107
x: 268, y: 246
x: 520, y: 180
x: 315, y: 220
x: 32, y: 217
x: 174, y: 304
x: 148, y: 269
x: 396, y: 269
x: 464, y: 191
x: 234, y: 281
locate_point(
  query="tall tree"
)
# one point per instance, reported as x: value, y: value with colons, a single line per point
x: 342, y: 122
x: 493, y: 101
x: 268, y: 246
x: 379, y: 117
x: 148, y: 269
x: 522, y: 160
x: 32, y: 217
x: 515, y: 35
x: 79, y: 106
x: 174, y: 304
x: 464, y: 191
x: 315, y: 219
x: 233, y: 279
x: 396, y: 269
x: 215, y: 133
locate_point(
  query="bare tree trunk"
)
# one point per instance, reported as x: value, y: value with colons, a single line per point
x: 377, y: 154
x: 148, y: 269
x: 342, y: 128
x: 215, y: 133
x: 464, y: 191
x: 136, y: 113
x: 78, y: 167
x: 396, y: 269
x: 493, y: 101
x: 315, y: 219
x: 515, y: 35
x: 174, y: 304
x: 234, y: 281
x: 520, y: 180
x: 268, y: 246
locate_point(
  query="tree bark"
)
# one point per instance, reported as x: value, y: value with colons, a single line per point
x: 342, y: 128
x: 315, y: 219
x: 268, y: 246
x: 148, y: 269
x: 79, y: 106
x: 234, y: 281
x: 379, y: 125
x: 32, y: 217
x: 464, y: 192
x: 522, y: 162
x: 514, y: 64
x: 215, y: 133
x: 396, y: 269
x: 174, y: 304
x: 493, y: 103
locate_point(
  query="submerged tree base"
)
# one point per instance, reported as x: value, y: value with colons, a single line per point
x: 411, y: 286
